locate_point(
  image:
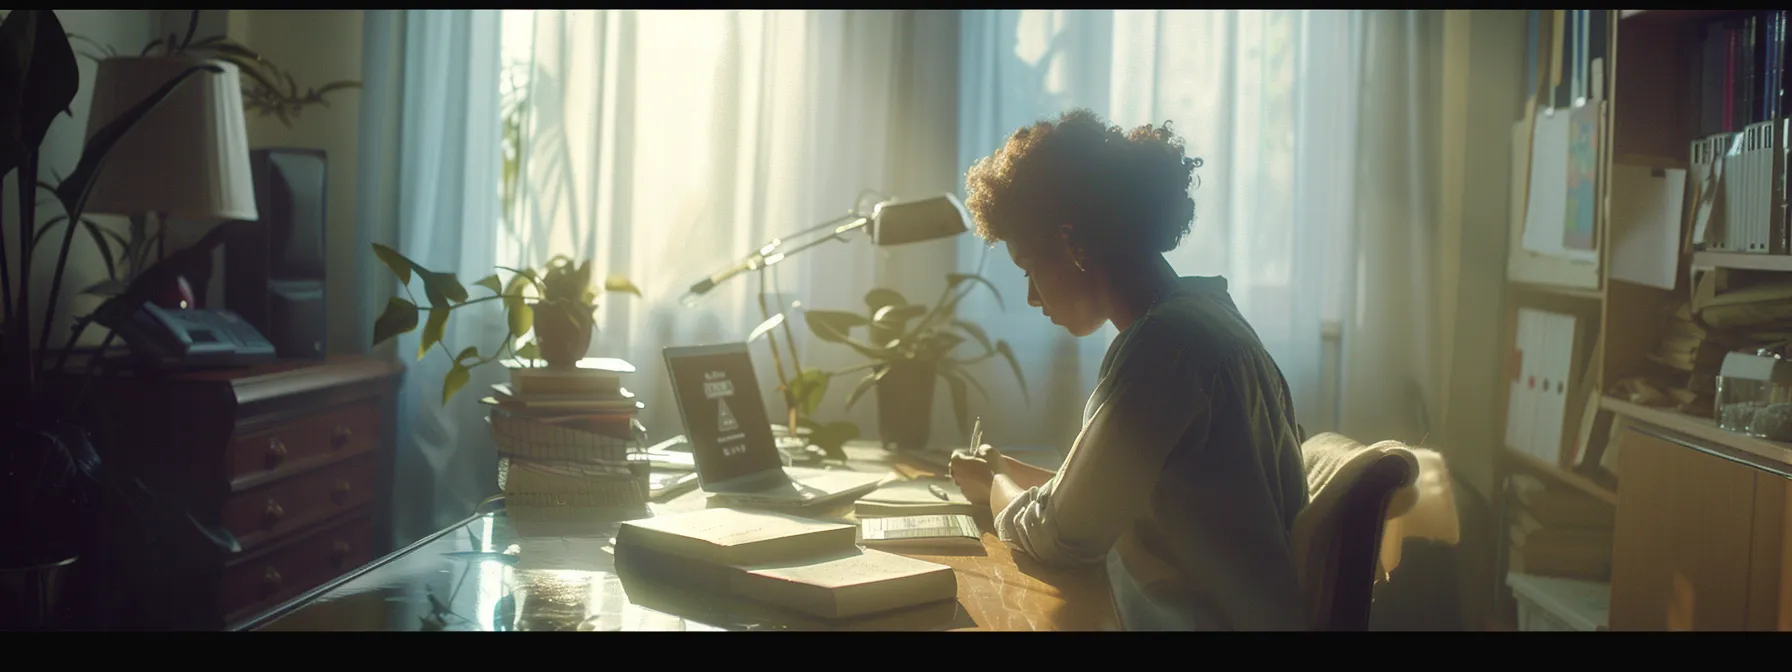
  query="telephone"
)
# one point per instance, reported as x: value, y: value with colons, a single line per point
x: 195, y: 338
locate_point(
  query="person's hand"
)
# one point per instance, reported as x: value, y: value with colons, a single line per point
x: 975, y: 472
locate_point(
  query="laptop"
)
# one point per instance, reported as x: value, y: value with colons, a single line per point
x: 730, y: 434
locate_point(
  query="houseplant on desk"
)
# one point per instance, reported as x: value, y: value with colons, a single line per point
x: 556, y: 302
x: 912, y: 346
x: 55, y: 488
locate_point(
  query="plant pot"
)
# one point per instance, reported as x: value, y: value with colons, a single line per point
x: 564, y: 339
x: 905, y: 405
x: 34, y: 580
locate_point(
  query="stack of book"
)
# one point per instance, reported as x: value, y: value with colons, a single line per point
x: 1694, y: 349
x: 568, y: 438
x: 1558, y: 532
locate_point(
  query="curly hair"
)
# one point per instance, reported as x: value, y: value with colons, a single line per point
x: 1120, y: 191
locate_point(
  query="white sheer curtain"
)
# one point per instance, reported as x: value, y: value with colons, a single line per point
x: 1265, y: 98
x: 429, y: 156
x: 665, y: 144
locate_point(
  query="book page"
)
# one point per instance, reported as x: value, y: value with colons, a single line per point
x: 734, y: 527
x: 863, y: 567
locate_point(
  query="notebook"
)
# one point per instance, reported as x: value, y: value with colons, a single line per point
x: 921, y: 532
x: 914, y: 498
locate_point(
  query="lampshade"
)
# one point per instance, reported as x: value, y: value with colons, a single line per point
x: 187, y: 159
x: 903, y: 222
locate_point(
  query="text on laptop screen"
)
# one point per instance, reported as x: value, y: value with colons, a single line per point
x: 724, y: 416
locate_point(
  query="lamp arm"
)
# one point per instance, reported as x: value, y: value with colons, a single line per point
x: 772, y: 252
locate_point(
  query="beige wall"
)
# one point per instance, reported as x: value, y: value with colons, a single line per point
x: 317, y: 47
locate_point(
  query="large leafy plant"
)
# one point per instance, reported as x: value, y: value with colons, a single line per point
x: 899, y: 333
x: 53, y: 472
x: 560, y: 290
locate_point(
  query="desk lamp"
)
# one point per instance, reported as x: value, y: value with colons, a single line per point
x: 188, y: 159
x: 889, y: 222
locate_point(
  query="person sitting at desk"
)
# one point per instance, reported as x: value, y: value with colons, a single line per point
x: 1187, y: 475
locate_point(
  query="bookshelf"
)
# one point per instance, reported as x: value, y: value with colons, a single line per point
x: 1686, y: 476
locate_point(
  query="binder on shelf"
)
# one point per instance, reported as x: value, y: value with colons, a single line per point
x: 1742, y: 190
x: 1540, y: 420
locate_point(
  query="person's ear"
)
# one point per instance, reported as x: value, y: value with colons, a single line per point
x: 1077, y: 256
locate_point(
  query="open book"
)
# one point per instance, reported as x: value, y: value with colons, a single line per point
x: 807, y: 565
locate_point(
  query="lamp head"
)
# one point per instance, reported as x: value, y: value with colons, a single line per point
x: 902, y: 222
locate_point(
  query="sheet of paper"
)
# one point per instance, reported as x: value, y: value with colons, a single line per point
x: 1646, y: 223
x: 1580, y: 220
x: 1548, y: 206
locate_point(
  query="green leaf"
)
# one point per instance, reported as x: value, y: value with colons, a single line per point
x: 961, y: 408
x: 457, y: 378
x: 879, y: 297
x: 1007, y: 353
x: 617, y: 283
x: 808, y: 388
x: 832, y: 438
x: 956, y: 279
x: 977, y: 334
x: 950, y: 369
x: 105, y: 288
x: 765, y: 327
x: 897, y: 315
x: 528, y: 351
x: 432, y: 331
x: 99, y: 241
x: 834, y: 326
x: 75, y: 188
x: 520, y: 281
x: 520, y: 316
x: 491, y: 282
x: 400, y: 266
x: 399, y: 317
x: 442, y: 288
x: 38, y: 80
x: 864, y: 384
x: 469, y: 352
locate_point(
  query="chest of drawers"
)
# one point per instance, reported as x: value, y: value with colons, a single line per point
x: 290, y: 459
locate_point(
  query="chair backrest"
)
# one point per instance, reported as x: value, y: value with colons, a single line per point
x: 1337, y: 538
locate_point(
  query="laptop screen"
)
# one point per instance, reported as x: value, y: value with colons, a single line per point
x: 718, y: 397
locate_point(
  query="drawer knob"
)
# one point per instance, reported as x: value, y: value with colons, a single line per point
x: 276, y: 452
x: 271, y: 579
x: 339, y: 494
x: 274, y: 513
x: 340, y: 436
x: 339, y: 552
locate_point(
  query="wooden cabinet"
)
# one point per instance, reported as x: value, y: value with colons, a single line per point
x: 1699, y: 539
x: 287, y: 458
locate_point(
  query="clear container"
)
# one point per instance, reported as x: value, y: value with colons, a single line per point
x: 1760, y: 408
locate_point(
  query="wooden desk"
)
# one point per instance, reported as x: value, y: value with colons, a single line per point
x: 496, y: 572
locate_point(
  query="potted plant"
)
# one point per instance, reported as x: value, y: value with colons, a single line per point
x: 557, y: 303
x: 54, y: 482
x: 911, y: 347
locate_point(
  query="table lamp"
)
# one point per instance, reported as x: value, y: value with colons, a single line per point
x: 187, y: 160
x: 889, y: 222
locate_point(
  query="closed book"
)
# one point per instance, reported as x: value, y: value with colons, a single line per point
x: 737, y: 537
x: 921, y: 532
x: 914, y: 498
x: 848, y: 584
x: 592, y: 375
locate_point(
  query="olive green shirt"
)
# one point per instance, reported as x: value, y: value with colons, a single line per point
x: 1186, y: 477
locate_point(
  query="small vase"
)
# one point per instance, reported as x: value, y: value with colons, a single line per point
x: 563, y: 338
